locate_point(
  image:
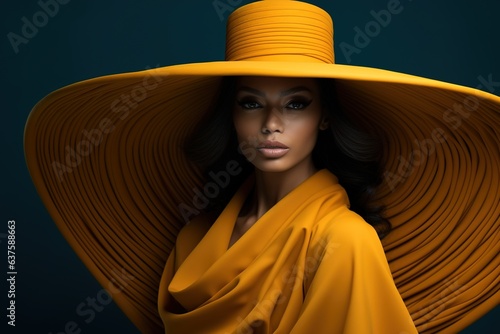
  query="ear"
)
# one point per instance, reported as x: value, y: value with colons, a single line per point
x: 324, y: 124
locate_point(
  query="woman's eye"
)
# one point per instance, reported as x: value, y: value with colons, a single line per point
x: 249, y: 104
x: 298, y: 105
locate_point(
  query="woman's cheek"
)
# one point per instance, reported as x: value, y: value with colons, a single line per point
x: 306, y: 130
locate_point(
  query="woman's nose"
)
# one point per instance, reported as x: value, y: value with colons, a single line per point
x: 273, y: 122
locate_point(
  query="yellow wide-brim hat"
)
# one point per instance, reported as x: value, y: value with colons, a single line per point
x: 106, y: 158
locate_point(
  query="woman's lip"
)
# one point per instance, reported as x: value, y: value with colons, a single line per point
x: 273, y: 152
x: 271, y: 144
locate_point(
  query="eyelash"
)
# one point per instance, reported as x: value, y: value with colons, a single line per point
x: 245, y: 104
x: 304, y: 104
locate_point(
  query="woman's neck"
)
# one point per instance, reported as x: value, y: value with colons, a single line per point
x: 271, y: 187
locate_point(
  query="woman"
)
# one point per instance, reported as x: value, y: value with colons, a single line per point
x: 290, y: 256
x: 120, y: 186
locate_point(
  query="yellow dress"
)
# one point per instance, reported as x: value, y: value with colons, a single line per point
x: 309, y: 265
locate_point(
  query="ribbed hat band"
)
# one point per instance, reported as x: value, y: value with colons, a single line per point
x: 266, y: 31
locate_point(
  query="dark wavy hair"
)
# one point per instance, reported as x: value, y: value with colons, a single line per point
x: 354, y: 159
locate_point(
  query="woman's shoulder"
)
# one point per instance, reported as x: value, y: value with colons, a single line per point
x: 190, y: 235
x: 342, y: 243
x: 347, y: 228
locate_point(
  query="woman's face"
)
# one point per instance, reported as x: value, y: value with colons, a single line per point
x: 277, y: 121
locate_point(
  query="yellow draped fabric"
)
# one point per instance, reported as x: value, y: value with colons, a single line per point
x: 309, y: 265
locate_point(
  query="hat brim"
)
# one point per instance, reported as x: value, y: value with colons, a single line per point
x: 106, y: 158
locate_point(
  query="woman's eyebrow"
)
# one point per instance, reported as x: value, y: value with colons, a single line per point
x: 251, y: 90
x: 295, y: 90
x: 283, y: 93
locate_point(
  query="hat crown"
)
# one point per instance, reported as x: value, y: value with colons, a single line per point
x: 280, y: 30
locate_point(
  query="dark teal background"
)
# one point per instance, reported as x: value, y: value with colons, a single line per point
x: 454, y: 41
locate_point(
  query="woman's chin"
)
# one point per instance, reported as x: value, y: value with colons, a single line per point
x: 280, y: 165
x: 272, y: 166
